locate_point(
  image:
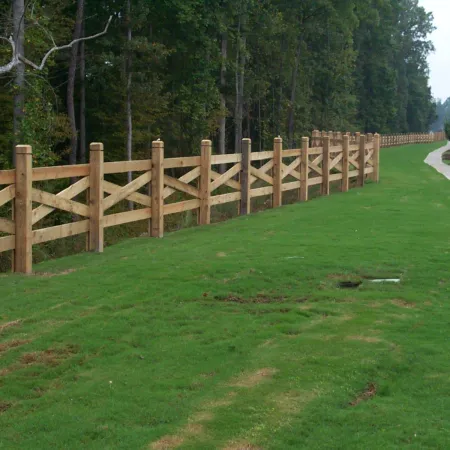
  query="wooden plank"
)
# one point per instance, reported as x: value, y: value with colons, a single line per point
x: 368, y: 170
x: 264, y: 168
x: 225, y: 159
x: 226, y: 176
x: 7, y: 243
x: 186, y: 178
x: 230, y: 183
x: 257, y: 156
x: 205, y: 183
x: 335, y: 177
x: 225, y: 198
x: 315, y: 151
x: 304, y: 170
x: 314, y: 181
x: 23, y: 209
x: 7, y: 226
x: 58, y: 172
x: 336, y: 149
x: 290, y: 170
x: 345, y: 164
x: 261, y: 175
x: 353, y: 148
x: 376, y: 158
x: 361, y: 160
x: 7, y: 176
x: 258, y: 192
x: 60, y: 231
x: 326, y: 166
x: 246, y: 151
x: 291, y: 185
x: 291, y: 152
x: 180, y: 186
x: 316, y: 169
x: 157, y: 228
x: 72, y: 191
x: 353, y: 162
x: 96, y: 175
x: 7, y: 194
x: 112, y: 220
x: 277, y: 179
x: 186, y: 161
x: 353, y: 173
x: 335, y: 162
x: 186, y: 205
x: 59, y: 202
x: 142, y: 165
x: 136, y: 197
x: 126, y: 190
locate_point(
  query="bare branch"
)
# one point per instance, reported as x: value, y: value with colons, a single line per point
x: 62, y: 47
x: 16, y: 58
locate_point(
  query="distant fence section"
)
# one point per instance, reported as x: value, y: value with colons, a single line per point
x: 163, y: 186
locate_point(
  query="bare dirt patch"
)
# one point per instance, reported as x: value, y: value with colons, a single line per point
x: 14, y: 323
x: 50, y: 357
x: 4, y: 406
x: 403, y: 303
x: 167, y: 443
x: 367, y: 394
x: 253, y: 379
x: 5, y: 346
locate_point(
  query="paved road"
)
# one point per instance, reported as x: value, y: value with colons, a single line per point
x: 434, y: 159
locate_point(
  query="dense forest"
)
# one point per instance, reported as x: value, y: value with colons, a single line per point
x: 184, y: 70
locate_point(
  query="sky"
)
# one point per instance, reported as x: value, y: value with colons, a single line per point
x: 440, y: 59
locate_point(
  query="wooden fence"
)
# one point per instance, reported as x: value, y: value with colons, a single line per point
x: 386, y: 140
x: 247, y: 175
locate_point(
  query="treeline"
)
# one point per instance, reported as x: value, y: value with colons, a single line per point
x: 184, y: 70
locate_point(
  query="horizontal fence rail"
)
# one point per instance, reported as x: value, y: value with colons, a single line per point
x: 155, y: 191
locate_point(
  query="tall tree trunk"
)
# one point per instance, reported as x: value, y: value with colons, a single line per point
x: 82, y: 100
x: 128, y: 108
x: 291, y: 113
x: 71, y: 84
x: 223, y: 118
x: 240, y: 77
x: 19, y: 81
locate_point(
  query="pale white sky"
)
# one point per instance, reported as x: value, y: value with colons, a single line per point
x: 440, y: 59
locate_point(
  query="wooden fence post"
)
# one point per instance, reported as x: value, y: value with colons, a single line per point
x: 345, y: 163
x: 96, y: 159
x: 361, y: 160
x: 246, y: 150
x: 277, y: 180
x: 158, y: 189
x: 23, y: 210
x: 326, y: 166
x: 376, y: 158
x: 205, y: 183
x: 304, y: 170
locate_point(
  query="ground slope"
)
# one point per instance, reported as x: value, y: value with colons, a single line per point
x: 236, y: 336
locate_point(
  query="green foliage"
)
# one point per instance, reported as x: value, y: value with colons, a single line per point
x: 447, y: 129
x: 236, y: 335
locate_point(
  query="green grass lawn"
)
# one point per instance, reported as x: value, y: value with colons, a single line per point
x: 236, y: 336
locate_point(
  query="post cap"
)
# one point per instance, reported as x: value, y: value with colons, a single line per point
x: 24, y: 150
x: 96, y: 147
x: 278, y: 139
x: 206, y: 142
x: 158, y: 144
x: 246, y: 140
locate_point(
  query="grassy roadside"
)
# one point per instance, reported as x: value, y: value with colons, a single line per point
x: 235, y: 335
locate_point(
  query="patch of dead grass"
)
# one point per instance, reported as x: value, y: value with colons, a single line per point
x: 13, y: 323
x: 253, y: 379
x: 403, y: 303
x: 167, y: 443
x: 54, y: 274
x: 371, y: 339
x: 4, y: 406
x: 241, y: 445
x: 5, y: 346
